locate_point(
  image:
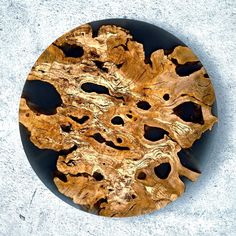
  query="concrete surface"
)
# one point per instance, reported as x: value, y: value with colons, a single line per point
x: 27, y: 207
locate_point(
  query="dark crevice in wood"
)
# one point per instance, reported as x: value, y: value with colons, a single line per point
x: 190, y: 112
x: 71, y: 50
x: 162, y: 171
x: 144, y: 105
x: 41, y: 97
x: 68, y: 151
x: 154, y: 133
x: 91, y: 87
x: 98, y: 137
x: 79, y: 120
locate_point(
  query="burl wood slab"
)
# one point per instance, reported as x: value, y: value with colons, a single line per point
x: 122, y: 121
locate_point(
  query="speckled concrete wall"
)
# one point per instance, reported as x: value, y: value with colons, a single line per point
x: 27, y: 207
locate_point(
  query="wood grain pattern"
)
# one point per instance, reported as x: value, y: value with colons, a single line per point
x: 122, y: 121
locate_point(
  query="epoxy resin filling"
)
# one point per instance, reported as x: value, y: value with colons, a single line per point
x: 107, y: 119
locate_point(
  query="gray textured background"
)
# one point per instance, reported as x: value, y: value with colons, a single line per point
x: 27, y: 207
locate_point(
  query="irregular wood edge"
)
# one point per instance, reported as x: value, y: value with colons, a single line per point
x: 122, y: 71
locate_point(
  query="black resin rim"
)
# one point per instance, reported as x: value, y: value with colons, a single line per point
x: 43, y: 161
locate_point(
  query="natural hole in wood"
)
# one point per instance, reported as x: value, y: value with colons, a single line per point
x: 98, y: 176
x: 142, y: 175
x: 188, y: 68
x: 91, y: 87
x: 143, y: 105
x: 59, y: 175
x: 71, y: 50
x: 119, y: 140
x: 100, y: 65
x: 166, y: 96
x: 190, y: 112
x: 66, y: 128
x: 129, y: 116
x: 153, y: 133
x: 117, y: 120
x: 81, y: 120
x: 111, y: 119
x: 41, y: 97
x: 65, y: 152
x: 162, y: 171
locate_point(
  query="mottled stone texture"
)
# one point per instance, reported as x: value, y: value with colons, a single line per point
x: 28, y: 208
